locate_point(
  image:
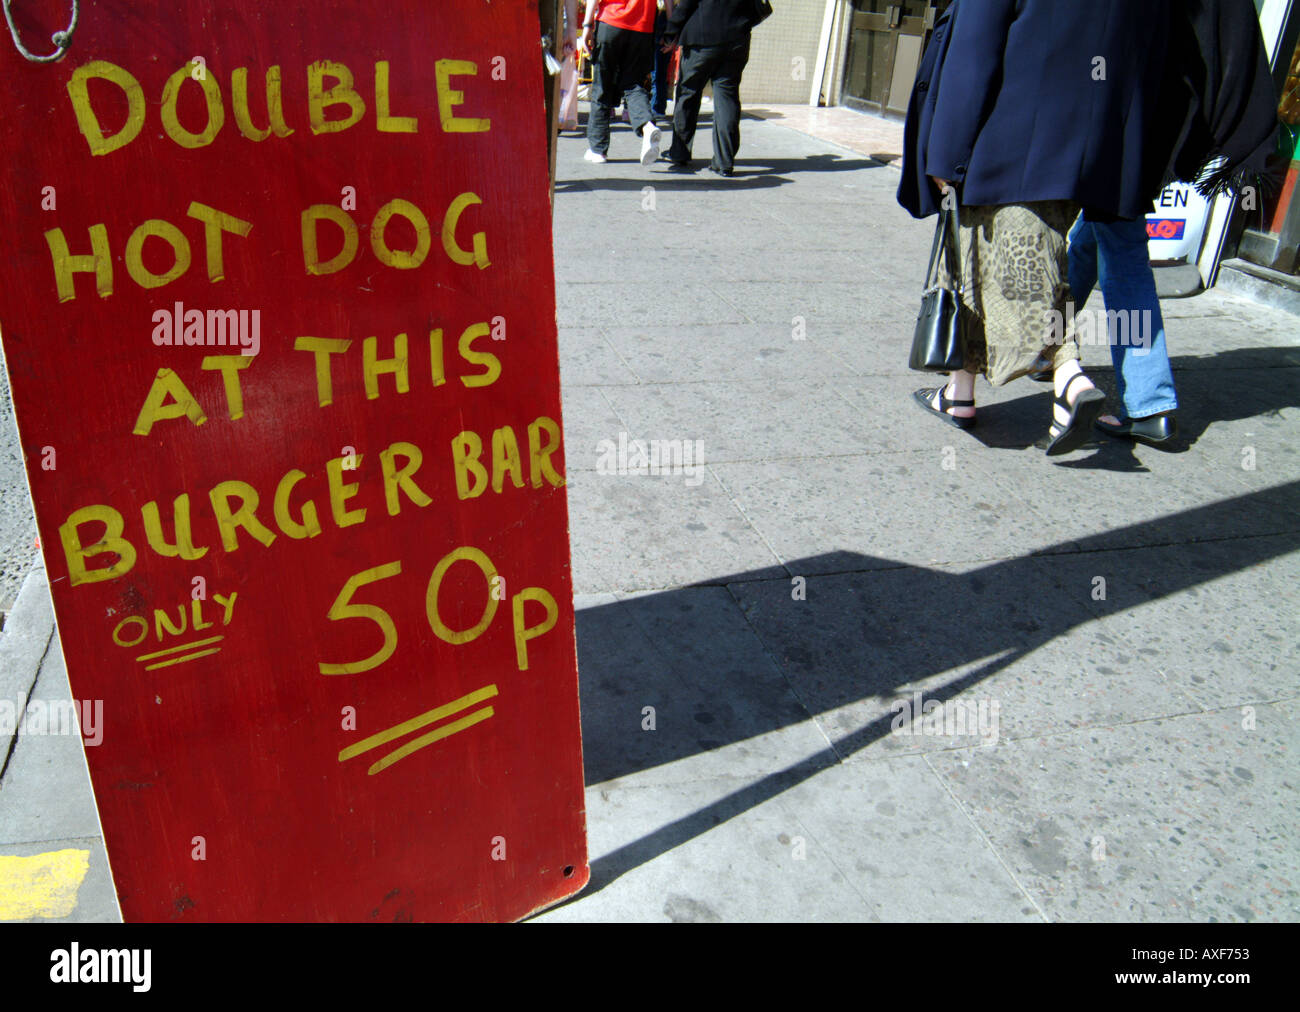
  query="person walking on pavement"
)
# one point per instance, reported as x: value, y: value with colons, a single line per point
x: 714, y: 39
x: 619, y: 35
x: 1114, y: 251
x: 1027, y: 111
x: 1218, y: 113
x: 663, y: 57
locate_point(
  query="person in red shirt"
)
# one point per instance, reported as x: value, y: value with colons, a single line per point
x: 619, y: 34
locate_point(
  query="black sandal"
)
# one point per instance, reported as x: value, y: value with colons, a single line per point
x: 925, y: 397
x: 1084, y: 411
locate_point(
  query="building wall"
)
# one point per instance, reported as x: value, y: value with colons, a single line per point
x: 783, y: 54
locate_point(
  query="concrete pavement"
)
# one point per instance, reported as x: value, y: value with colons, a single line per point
x: 1111, y: 637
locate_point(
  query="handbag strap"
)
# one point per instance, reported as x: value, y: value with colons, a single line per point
x: 951, y: 252
x: 932, y: 272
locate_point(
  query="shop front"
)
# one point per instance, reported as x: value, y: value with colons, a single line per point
x: 883, y: 52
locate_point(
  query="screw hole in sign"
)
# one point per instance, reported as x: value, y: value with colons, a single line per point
x: 568, y: 870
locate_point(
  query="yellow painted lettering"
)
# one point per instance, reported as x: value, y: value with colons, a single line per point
x: 505, y: 459
x: 184, y: 545
x: 228, y: 604
x: 372, y: 367
x: 274, y: 105
x: 322, y: 348
x: 524, y: 633
x: 98, y: 260
x: 449, y: 98
x: 436, y: 367
x: 309, y: 526
x: 453, y: 249
x: 112, y: 541
x: 343, y: 93
x: 214, y: 223
x: 466, y: 448
x: 401, y: 259
x: 539, y: 455
x: 341, y: 491
x: 211, y: 97
x: 401, y: 477
x: 228, y: 523
x: 171, y: 235
x: 230, y: 365
x: 384, y: 122
x: 491, y: 364
x: 440, y: 628
x: 311, y: 250
x: 163, y: 622
x: 88, y: 123
x: 158, y: 408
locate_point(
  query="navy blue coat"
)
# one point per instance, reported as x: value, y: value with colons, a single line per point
x: 1034, y: 100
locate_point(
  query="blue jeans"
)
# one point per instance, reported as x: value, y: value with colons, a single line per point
x: 1116, y: 253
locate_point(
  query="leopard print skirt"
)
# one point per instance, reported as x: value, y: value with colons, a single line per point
x: 1016, y: 274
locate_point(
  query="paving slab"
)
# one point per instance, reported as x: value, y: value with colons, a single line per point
x: 745, y: 421
x: 887, y: 509
x: 645, y: 532
x: 45, y: 793
x: 1186, y: 818
x: 768, y: 352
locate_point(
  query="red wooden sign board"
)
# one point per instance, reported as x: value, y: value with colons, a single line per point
x: 279, y: 316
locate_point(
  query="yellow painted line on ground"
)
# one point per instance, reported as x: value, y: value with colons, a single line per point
x: 43, y: 885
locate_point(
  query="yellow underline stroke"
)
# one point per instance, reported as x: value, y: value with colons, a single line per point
x: 183, y: 646
x: 182, y: 660
x: 407, y: 726
x: 428, y: 739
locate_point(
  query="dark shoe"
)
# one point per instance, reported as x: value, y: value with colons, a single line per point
x: 1083, y: 413
x: 680, y: 167
x: 1155, y: 430
x: 925, y: 398
x: 1042, y: 371
x: 720, y: 172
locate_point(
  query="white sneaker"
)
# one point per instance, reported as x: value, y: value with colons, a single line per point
x: 650, y: 135
x: 592, y: 156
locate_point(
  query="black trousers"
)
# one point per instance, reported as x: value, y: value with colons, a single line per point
x: 723, y: 66
x: 622, y: 62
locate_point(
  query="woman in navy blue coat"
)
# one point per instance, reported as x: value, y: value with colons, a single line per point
x: 1030, y: 110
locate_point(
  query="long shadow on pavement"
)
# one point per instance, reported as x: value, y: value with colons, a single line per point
x: 738, y: 658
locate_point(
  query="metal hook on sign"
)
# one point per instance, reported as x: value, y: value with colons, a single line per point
x: 61, y: 39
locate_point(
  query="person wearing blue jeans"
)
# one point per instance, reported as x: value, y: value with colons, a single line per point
x: 1114, y: 252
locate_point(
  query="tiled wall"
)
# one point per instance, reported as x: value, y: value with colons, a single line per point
x: 783, y: 54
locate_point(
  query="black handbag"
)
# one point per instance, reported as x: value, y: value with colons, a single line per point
x: 938, y: 343
x: 762, y: 11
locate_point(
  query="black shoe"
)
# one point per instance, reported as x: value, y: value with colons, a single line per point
x: 1043, y: 371
x: 679, y: 167
x: 720, y: 172
x: 1156, y: 430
